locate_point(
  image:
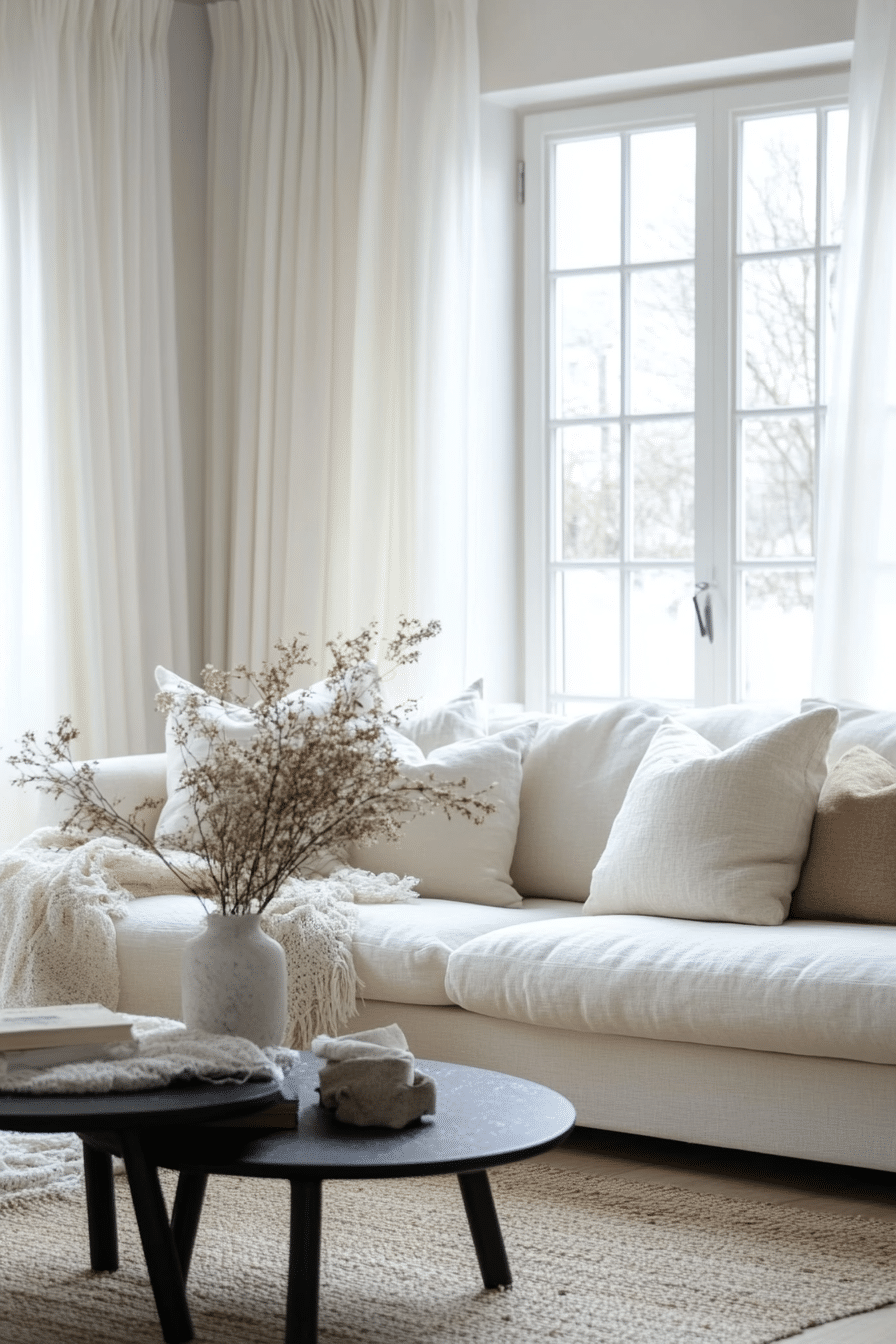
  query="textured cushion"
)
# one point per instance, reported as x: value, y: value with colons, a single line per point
x: 576, y: 776
x: 459, y: 720
x: 574, y: 780
x: 858, y: 726
x: 453, y: 858
x: 850, y: 870
x: 400, y: 951
x: 799, y: 988
x: 710, y: 834
x: 233, y: 723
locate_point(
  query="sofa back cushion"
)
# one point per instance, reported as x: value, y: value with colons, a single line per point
x: 576, y: 776
x: 858, y: 726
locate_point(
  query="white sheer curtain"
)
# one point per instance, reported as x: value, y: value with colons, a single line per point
x: 92, y: 553
x: 342, y: 205
x: 855, y: 643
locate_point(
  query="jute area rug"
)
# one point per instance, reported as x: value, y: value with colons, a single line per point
x: 595, y: 1261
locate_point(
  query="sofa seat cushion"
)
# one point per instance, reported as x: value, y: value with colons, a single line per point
x: 802, y: 987
x: 401, y: 951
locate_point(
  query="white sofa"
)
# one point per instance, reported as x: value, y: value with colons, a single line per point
x: 775, y: 1038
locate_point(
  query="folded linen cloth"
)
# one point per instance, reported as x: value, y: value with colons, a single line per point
x: 370, y: 1079
x: 163, y: 1052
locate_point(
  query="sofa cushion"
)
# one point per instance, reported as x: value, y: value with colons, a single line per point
x: 850, y: 870
x: 458, y: 720
x: 805, y: 988
x: 454, y: 858
x: 576, y: 776
x: 401, y: 951
x: 858, y: 726
x: 709, y: 834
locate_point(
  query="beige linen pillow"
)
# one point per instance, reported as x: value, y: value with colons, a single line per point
x: 850, y: 870
x: 715, y: 835
x: 453, y: 858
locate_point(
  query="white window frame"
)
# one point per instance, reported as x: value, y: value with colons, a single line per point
x: 717, y: 113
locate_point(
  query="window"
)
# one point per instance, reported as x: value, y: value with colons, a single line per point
x: 678, y: 254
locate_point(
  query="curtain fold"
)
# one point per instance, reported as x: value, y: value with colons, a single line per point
x: 92, y: 539
x: 855, y: 608
x: 342, y: 210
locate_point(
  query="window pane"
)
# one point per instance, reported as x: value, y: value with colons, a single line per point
x: 588, y: 349
x: 835, y: 186
x: 662, y: 634
x: 587, y: 632
x: 662, y: 340
x: 776, y: 635
x: 587, y: 224
x: 662, y: 194
x: 589, y: 459
x: 778, y: 486
x: 778, y: 332
x: 663, y: 489
x: 778, y: 171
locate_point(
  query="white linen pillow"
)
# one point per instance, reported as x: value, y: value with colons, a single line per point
x: 235, y: 724
x: 715, y: 835
x: 461, y: 719
x: 454, y: 859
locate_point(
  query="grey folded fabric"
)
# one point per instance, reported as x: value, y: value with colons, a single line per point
x: 370, y: 1079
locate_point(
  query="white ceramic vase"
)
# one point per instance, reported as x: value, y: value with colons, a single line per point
x: 233, y: 980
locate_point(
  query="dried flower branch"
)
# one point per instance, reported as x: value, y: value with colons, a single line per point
x: 317, y: 774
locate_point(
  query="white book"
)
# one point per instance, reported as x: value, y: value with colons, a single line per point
x: 62, y: 1024
x: 50, y: 1056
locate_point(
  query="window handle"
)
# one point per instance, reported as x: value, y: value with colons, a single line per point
x: 704, y: 617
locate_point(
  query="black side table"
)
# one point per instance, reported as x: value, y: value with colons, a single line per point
x: 483, y: 1120
x: 130, y: 1117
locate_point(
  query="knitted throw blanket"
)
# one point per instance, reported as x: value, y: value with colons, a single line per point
x: 60, y: 895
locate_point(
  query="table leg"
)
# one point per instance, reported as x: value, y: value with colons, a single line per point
x: 159, y: 1249
x: 485, y: 1228
x: 99, y: 1189
x: 304, y: 1262
x: 186, y: 1214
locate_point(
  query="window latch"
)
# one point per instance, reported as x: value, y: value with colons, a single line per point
x: 704, y: 617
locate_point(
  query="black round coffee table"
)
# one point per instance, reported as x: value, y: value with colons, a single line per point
x: 128, y: 1118
x: 483, y: 1119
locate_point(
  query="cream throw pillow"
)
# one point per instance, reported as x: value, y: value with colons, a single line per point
x: 453, y: 858
x: 234, y: 723
x: 458, y: 720
x: 850, y: 870
x: 715, y: 835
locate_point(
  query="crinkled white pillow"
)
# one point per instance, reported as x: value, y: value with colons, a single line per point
x: 234, y: 724
x: 715, y: 835
x: 458, y: 720
x: 453, y: 858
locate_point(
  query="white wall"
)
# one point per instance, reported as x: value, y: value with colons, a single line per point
x: 189, y: 57
x: 531, y: 42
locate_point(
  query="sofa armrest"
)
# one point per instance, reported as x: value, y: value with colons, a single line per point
x: 125, y: 781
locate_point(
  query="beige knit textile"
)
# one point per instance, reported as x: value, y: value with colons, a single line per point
x: 595, y: 1261
x: 59, y: 896
x: 850, y: 869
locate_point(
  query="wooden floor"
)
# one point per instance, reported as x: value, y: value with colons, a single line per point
x: 769, y: 1180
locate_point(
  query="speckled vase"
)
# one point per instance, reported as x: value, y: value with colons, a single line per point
x: 233, y: 980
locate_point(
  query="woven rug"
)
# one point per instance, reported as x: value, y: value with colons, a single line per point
x: 595, y: 1261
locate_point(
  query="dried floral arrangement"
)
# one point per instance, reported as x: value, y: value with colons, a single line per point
x: 317, y: 774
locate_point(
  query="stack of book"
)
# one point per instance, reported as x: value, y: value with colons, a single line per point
x: 71, y: 1033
